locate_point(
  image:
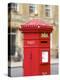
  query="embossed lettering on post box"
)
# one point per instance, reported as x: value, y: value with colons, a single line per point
x: 30, y: 42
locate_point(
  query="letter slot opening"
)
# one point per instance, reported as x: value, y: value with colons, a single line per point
x: 43, y: 41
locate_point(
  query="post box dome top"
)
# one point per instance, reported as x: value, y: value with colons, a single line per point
x: 36, y: 25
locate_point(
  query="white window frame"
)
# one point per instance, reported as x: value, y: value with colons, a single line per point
x: 18, y: 5
x: 36, y: 12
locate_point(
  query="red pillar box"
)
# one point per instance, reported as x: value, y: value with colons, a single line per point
x: 36, y: 47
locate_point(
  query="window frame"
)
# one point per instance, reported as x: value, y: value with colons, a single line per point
x: 31, y: 8
x: 48, y: 9
x: 12, y: 7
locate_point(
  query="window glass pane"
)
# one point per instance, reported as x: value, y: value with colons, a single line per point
x: 14, y: 30
x: 8, y: 29
x: 14, y: 51
x: 12, y: 6
x: 47, y: 10
x: 12, y: 46
x: 47, y: 6
x: 31, y: 8
x: 12, y: 40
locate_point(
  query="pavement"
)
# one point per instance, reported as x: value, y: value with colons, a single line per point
x: 17, y: 69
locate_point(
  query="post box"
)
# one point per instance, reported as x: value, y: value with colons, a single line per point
x: 36, y: 47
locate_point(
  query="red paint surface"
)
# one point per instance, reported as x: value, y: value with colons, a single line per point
x: 34, y: 44
x: 33, y: 55
x: 31, y: 63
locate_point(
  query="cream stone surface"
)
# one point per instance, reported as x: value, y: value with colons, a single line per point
x: 23, y: 15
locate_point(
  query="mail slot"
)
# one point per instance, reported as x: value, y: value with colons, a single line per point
x: 44, y: 43
x: 36, y: 47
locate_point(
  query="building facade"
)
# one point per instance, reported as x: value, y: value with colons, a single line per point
x: 20, y: 13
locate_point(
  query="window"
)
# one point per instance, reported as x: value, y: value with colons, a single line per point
x: 12, y: 6
x: 11, y: 41
x: 47, y: 13
x: 13, y: 49
x: 47, y: 10
x: 31, y: 8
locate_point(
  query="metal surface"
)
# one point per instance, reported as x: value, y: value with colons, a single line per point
x: 36, y: 40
